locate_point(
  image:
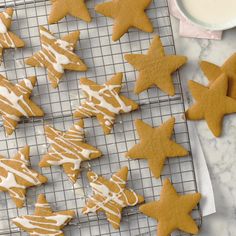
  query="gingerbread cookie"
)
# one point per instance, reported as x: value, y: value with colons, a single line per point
x: 127, y: 14
x: 68, y: 149
x: 57, y: 55
x: 172, y: 211
x: 16, y: 176
x: 156, y: 145
x: 104, y: 101
x: 155, y: 68
x: 111, y: 196
x: 213, y: 71
x: 212, y: 104
x: 15, y: 102
x: 76, y: 8
x: 44, y: 221
x: 7, y: 38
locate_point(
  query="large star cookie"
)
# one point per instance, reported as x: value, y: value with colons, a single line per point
x: 155, y: 68
x: 172, y: 211
x: 104, y: 101
x: 15, y: 102
x: 213, y: 71
x: 68, y: 149
x: 76, y: 8
x: 7, y: 38
x: 111, y: 196
x: 57, y: 55
x: 16, y: 176
x: 212, y: 104
x: 127, y: 14
x: 156, y: 145
x: 44, y: 221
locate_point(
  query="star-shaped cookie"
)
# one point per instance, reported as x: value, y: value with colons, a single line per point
x: 212, y: 104
x: 104, y: 101
x: 57, y: 55
x: 44, y: 221
x: 213, y: 71
x: 15, y: 102
x: 156, y: 145
x: 76, y: 8
x: 127, y: 14
x: 16, y: 176
x: 68, y: 149
x: 7, y: 38
x: 155, y: 68
x: 111, y: 196
x: 172, y: 211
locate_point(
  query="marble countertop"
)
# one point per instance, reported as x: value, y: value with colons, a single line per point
x: 220, y: 153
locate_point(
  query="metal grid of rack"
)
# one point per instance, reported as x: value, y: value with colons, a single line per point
x: 104, y: 58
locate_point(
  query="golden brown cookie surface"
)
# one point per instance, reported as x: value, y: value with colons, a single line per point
x: 68, y: 149
x: 172, y: 211
x: 57, y: 55
x: 111, y: 196
x: 16, y: 176
x: 127, y: 14
x: 155, y: 68
x: 156, y: 145
x: 44, y: 221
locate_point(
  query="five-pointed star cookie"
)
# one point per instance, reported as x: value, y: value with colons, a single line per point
x: 213, y: 71
x: 15, y: 102
x: 104, y: 101
x: 211, y: 103
x: 57, y: 55
x: 156, y: 145
x: 111, y: 196
x: 155, y: 68
x: 68, y: 149
x: 127, y: 14
x: 76, y: 8
x: 16, y: 176
x: 44, y: 221
x: 7, y: 38
x: 172, y: 211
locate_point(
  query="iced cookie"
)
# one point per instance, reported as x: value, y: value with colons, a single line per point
x: 16, y: 176
x: 7, y: 38
x: 111, y: 196
x: 15, y: 102
x: 76, y: 8
x: 155, y: 68
x: 212, y: 104
x: 68, y: 149
x: 126, y: 14
x: 44, y: 221
x: 172, y: 211
x: 104, y: 101
x: 57, y: 55
x: 156, y: 145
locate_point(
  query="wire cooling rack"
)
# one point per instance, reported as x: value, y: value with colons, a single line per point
x: 104, y: 58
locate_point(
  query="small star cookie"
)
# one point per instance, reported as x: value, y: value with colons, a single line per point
x: 212, y: 104
x: 16, y: 176
x: 15, y: 102
x: 68, y: 149
x: 76, y: 8
x: 127, y: 14
x: 156, y: 145
x: 57, y: 55
x: 111, y: 196
x: 172, y: 211
x: 7, y: 38
x: 44, y: 221
x: 155, y: 68
x: 104, y: 101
